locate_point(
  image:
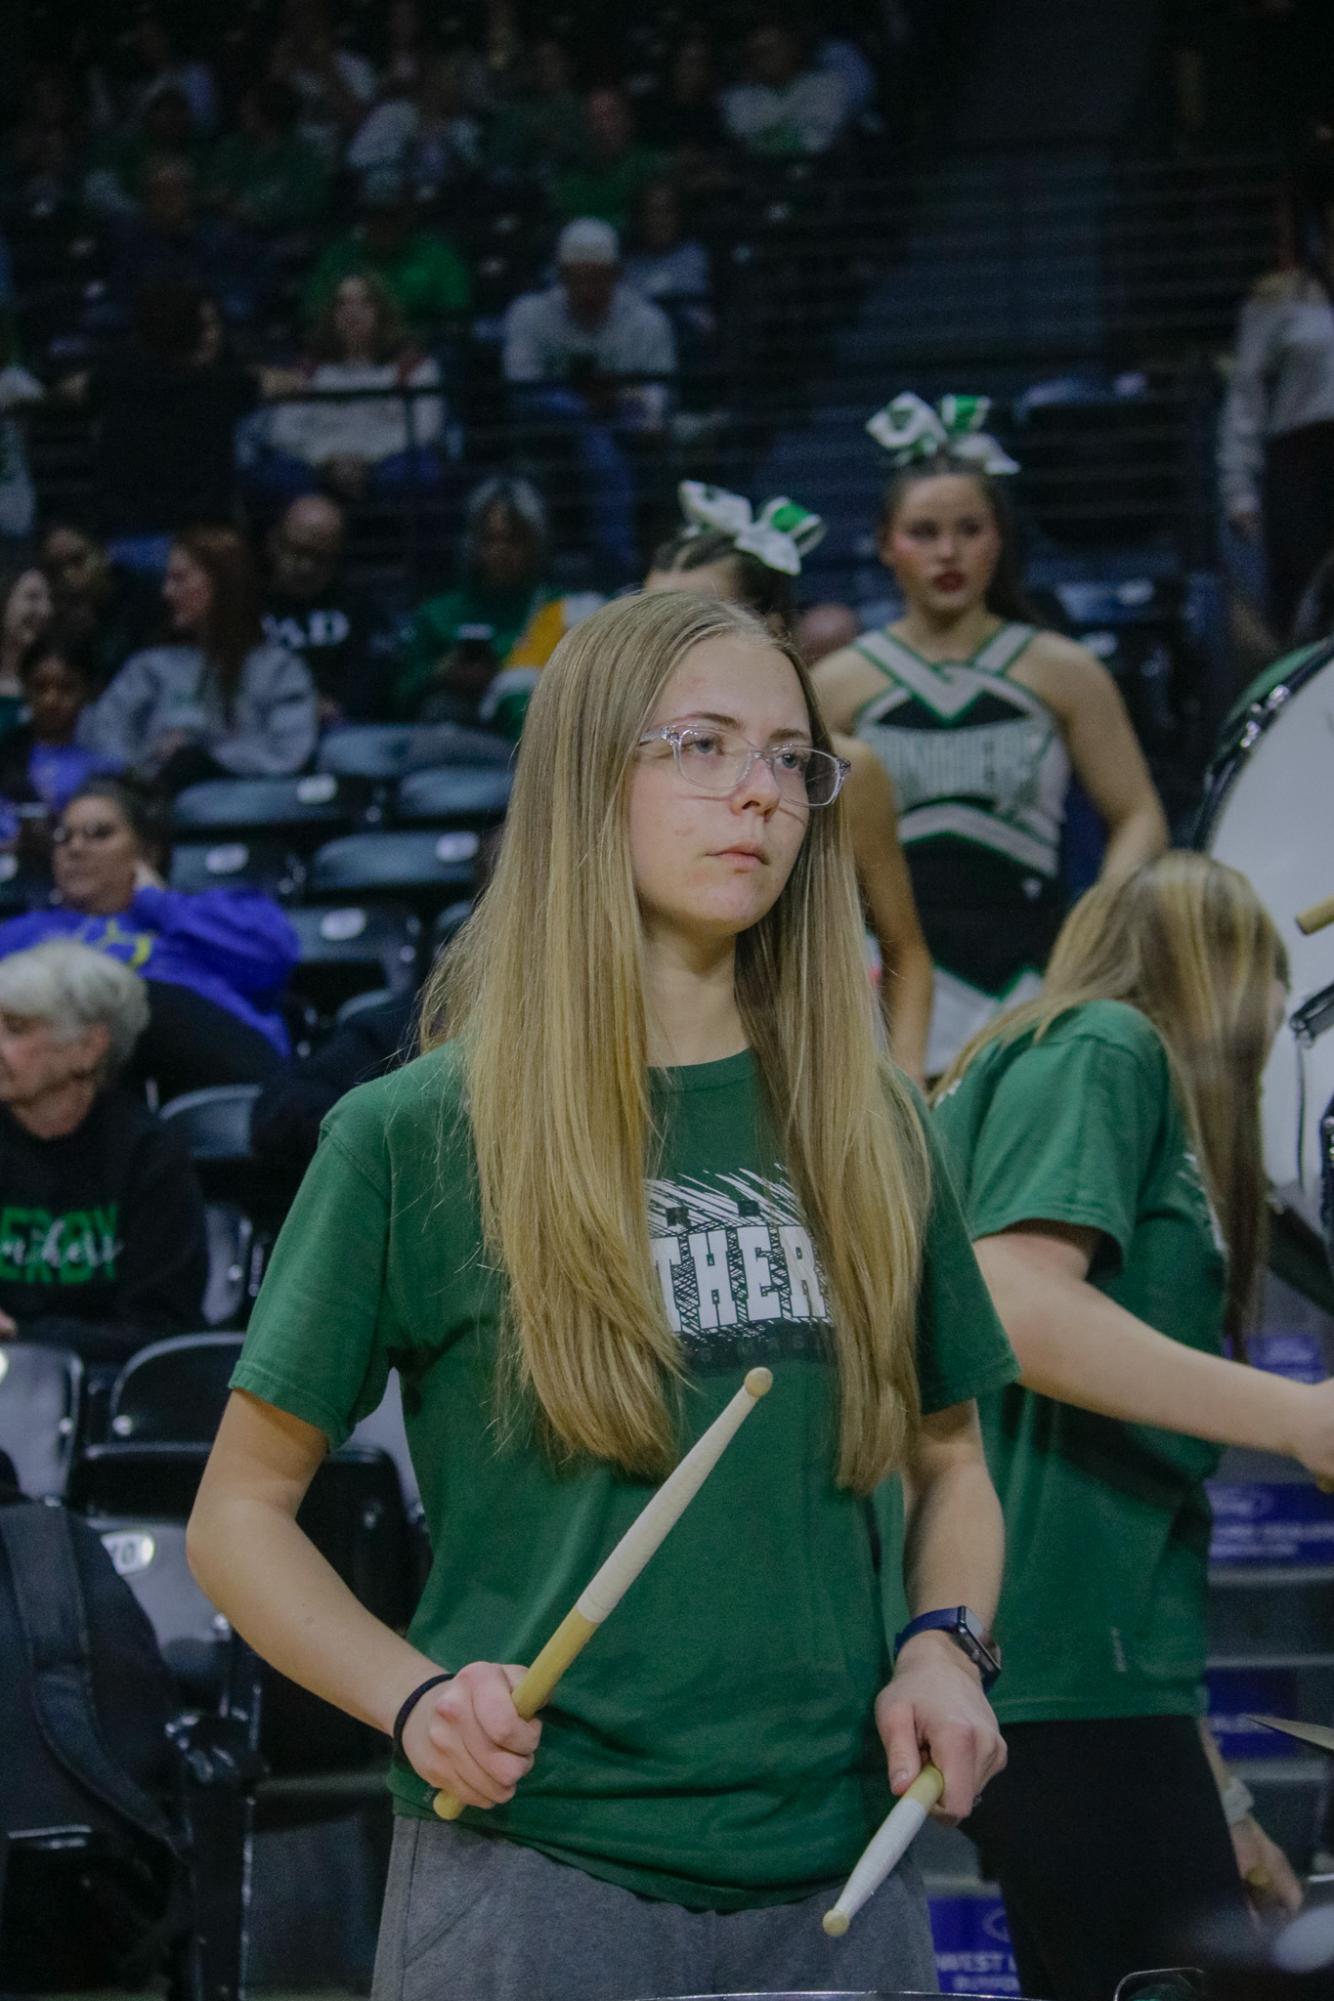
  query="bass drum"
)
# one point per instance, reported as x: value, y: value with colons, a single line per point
x: 1269, y: 811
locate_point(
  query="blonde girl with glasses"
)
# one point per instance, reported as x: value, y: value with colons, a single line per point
x: 651, y: 1142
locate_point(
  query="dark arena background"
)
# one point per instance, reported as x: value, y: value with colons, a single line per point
x: 356, y: 353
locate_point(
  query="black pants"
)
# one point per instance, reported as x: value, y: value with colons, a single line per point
x: 1108, y: 1841
x: 190, y: 1042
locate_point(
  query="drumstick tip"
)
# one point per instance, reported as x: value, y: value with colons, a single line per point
x: 835, y: 1922
x: 759, y: 1382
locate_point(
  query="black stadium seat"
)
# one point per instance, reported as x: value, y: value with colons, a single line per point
x: 353, y: 947
x: 449, y: 923
x: 383, y: 752
x: 303, y: 811
x: 423, y: 867
x: 454, y: 796
x: 41, y: 1400
x: 264, y: 864
x: 175, y: 1390
x: 215, y: 1121
x: 236, y: 1257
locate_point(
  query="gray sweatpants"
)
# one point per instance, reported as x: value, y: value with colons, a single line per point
x: 470, y: 1917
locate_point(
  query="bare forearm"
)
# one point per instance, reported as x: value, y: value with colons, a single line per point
x: 296, y: 1612
x: 906, y: 984
x: 1079, y: 1347
x: 955, y: 1543
x: 1140, y: 836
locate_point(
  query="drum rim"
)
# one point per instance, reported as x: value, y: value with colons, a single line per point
x: 1223, y: 766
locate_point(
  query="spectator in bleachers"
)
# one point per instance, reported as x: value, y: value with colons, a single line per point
x: 786, y: 106
x: 20, y: 391
x: 25, y: 614
x: 41, y: 761
x: 102, y: 1236
x: 1276, y: 440
x: 107, y: 610
x: 162, y: 65
x: 359, y: 441
x: 422, y: 271
x: 663, y: 262
x: 218, y: 699
x: 577, y: 356
x: 612, y: 169
x: 167, y: 411
x: 266, y: 175
x: 215, y: 962
x: 474, y: 652
x: 116, y: 178
x: 405, y: 47
x: 429, y: 135
x: 671, y: 267
x: 170, y: 241
x: 311, y: 610
x: 42, y: 156
x: 334, y: 85
x: 540, y: 127
x: 684, y: 117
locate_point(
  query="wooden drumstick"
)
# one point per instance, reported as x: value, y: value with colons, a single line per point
x: 887, y: 1846
x: 604, y: 1591
x: 1316, y: 918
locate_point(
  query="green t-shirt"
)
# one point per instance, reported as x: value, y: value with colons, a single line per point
x: 436, y: 625
x: 714, y: 1744
x: 1107, y: 1524
x: 608, y: 191
x: 426, y: 276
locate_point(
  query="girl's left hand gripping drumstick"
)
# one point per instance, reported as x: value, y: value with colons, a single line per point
x: 610, y: 1583
x: 886, y: 1847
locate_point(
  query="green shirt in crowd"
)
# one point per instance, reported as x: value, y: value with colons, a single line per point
x: 608, y: 190
x: 436, y: 626
x: 426, y: 277
x: 1107, y: 1524
x: 279, y: 185
x: 715, y: 1744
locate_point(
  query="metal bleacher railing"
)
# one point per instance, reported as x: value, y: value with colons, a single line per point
x: 834, y: 288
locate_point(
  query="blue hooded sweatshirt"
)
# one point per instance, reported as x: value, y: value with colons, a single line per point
x: 230, y: 946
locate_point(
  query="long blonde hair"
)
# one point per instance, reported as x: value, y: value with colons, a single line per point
x: 1185, y: 940
x: 545, y: 990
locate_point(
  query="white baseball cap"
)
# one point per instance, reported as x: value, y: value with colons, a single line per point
x: 588, y: 241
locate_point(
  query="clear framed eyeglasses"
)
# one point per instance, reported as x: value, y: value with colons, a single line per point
x: 718, y: 761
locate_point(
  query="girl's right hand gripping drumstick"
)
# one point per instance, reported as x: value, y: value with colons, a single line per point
x: 609, y: 1584
x: 886, y: 1847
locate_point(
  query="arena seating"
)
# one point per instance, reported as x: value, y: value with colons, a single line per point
x: 41, y: 1414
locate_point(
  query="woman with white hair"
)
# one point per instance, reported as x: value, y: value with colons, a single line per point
x: 102, y: 1245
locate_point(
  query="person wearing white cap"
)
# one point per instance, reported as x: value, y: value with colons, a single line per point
x: 595, y: 358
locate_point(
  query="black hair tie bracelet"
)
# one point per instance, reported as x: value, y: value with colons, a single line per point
x: 401, y: 1720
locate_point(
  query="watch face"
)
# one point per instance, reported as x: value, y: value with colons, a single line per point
x: 983, y: 1651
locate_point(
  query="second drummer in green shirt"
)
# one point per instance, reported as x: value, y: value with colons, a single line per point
x: 1106, y: 1143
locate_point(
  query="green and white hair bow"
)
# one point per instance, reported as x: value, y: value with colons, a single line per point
x: 911, y: 430
x: 780, y: 534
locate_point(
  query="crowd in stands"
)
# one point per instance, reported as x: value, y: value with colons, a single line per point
x: 313, y: 267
